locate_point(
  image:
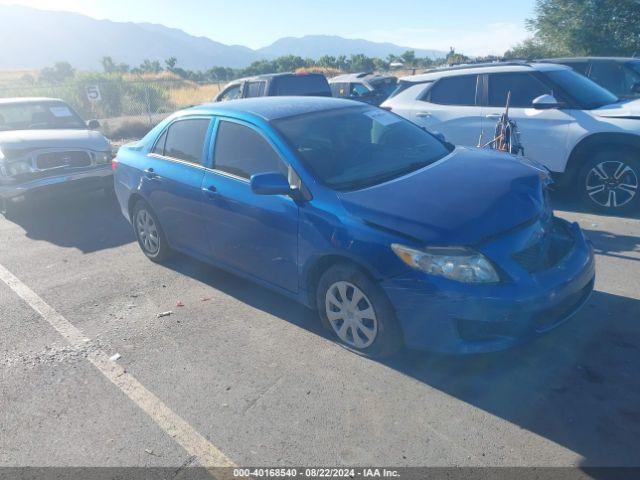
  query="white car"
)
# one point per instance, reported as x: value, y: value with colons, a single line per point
x: 586, y: 137
x: 47, y: 149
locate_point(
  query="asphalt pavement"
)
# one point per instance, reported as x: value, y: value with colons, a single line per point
x: 241, y: 375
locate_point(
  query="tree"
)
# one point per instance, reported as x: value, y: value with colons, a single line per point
x: 171, y: 63
x: 60, y: 72
x: 583, y: 27
x: 408, y: 58
x: 454, y: 58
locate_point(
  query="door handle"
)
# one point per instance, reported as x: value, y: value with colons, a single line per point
x: 212, y: 191
x: 423, y: 114
x: 493, y: 115
x: 150, y: 174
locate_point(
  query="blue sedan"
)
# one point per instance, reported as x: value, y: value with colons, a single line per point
x: 395, y: 237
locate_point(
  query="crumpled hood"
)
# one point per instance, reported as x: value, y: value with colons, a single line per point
x: 624, y: 109
x: 34, y: 139
x: 459, y: 201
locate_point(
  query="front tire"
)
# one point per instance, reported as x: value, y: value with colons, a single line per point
x: 149, y: 233
x: 357, y: 312
x: 609, y: 182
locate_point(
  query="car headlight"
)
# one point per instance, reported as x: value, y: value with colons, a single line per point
x: 459, y: 264
x: 17, y: 168
x: 102, y: 158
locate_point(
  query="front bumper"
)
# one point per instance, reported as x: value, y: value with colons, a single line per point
x: 441, y: 315
x: 94, y: 178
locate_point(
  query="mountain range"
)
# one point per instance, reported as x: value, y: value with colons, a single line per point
x: 31, y: 38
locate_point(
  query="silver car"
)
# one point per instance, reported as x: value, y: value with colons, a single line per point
x: 46, y: 148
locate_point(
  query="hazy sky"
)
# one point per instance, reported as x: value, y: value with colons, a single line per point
x: 472, y: 27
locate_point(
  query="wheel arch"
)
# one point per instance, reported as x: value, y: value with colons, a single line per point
x: 133, y: 199
x: 320, y: 264
x: 595, y: 142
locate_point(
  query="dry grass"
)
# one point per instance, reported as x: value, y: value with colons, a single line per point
x: 193, y: 94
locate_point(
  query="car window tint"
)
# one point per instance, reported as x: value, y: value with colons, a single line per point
x: 185, y: 139
x: 243, y: 152
x: 358, y: 89
x: 255, y: 89
x: 231, y: 93
x: 159, y: 147
x: 455, y: 90
x: 580, y: 67
x: 339, y: 89
x: 613, y: 76
x: 524, y: 89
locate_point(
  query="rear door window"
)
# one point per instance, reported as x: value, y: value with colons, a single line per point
x: 185, y: 139
x: 255, y: 89
x: 241, y: 151
x: 524, y: 88
x: 459, y: 90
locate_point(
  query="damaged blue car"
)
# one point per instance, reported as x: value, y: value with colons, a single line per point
x: 394, y: 236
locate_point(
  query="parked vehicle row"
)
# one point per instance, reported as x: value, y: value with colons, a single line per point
x: 587, y: 137
x: 394, y: 236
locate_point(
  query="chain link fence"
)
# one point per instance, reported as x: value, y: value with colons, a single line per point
x: 126, y: 109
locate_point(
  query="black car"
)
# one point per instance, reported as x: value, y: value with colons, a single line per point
x: 365, y: 87
x: 276, y: 85
x: 619, y: 75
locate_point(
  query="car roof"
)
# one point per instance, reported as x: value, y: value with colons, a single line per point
x: 358, y: 77
x: 7, y: 101
x: 589, y: 59
x: 478, y: 68
x: 266, y: 76
x: 272, y: 108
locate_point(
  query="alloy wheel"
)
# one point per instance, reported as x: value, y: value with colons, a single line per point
x: 147, y: 231
x: 351, y: 315
x: 612, y: 184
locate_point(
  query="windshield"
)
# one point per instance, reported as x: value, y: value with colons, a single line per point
x: 38, y: 116
x: 586, y: 93
x: 353, y: 148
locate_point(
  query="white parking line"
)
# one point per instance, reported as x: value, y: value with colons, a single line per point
x: 207, y: 454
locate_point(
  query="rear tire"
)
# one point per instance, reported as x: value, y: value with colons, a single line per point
x: 609, y: 182
x: 357, y: 311
x: 149, y: 233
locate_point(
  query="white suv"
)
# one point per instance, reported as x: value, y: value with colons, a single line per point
x: 587, y: 138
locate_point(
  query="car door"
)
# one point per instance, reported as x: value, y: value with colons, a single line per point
x: 543, y: 133
x: 172, y: 182
x: 256, y: 234
x: 451, y: 107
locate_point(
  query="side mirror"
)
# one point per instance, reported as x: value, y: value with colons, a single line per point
x: 93, y: 124
x: 438, y: 135
x: 635, y: 88
x: 545, y: 102
x: 271, y: 183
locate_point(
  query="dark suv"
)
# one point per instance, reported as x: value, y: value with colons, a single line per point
x: 619, y: 75
x: 365, y: 87
x: 276, y: 85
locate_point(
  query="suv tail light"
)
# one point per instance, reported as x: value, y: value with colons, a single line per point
x: 114, y: 163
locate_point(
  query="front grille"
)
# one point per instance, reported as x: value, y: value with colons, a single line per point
x: 70, y: 159
x: 547, y: 251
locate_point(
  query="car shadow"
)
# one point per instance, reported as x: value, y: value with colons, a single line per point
x: 577, y: 386
x: 614, y: 245
x: 87, y: 221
